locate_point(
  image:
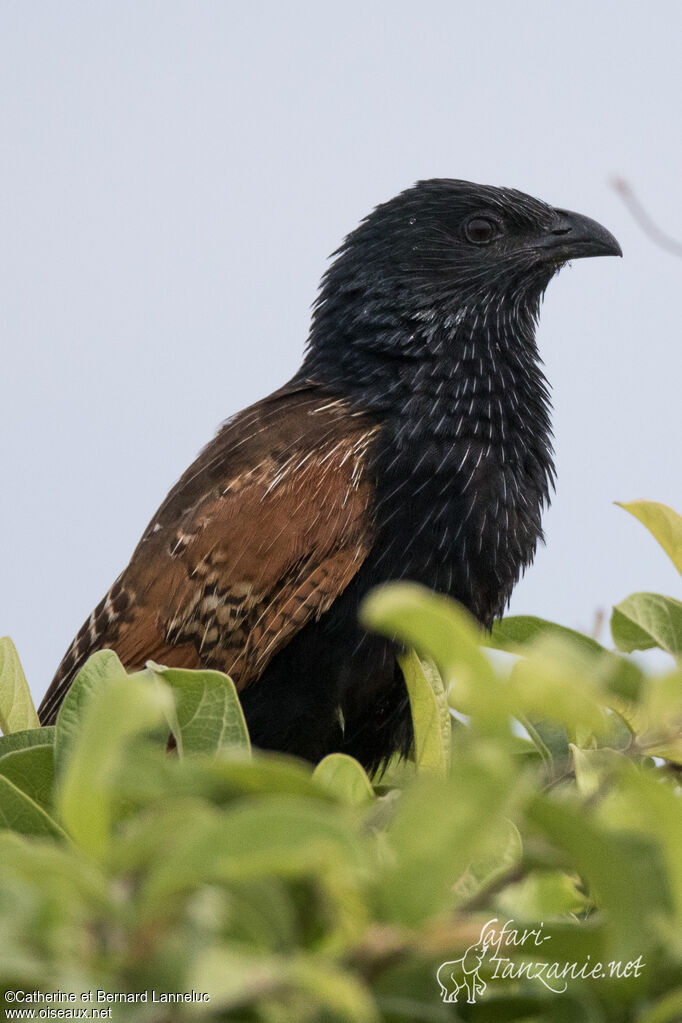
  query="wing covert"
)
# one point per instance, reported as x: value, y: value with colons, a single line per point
x: 259, y: 536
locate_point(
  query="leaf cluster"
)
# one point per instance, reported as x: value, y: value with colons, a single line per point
x: 544, y: 789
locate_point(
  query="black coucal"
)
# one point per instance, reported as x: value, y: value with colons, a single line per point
x: 414, y: 443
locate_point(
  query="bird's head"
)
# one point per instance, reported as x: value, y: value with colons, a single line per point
x: 445, y: 251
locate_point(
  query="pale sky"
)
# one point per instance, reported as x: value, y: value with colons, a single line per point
x: 173, y: 178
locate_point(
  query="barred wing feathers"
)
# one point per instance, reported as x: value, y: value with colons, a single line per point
x: 260, y: 535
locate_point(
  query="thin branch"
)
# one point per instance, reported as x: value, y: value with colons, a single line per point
x: 645, y: 221
x: 498, y: 883
x: 598, y: 624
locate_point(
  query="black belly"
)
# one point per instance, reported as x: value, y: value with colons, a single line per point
x: 333, y: 688
x: 336, y: 688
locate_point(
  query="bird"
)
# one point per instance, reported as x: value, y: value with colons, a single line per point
x: 414, y: 443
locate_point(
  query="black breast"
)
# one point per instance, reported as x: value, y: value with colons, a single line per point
x: 462, y: 478
x: 462, y: 467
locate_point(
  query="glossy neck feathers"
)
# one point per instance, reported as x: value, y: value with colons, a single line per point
x: 464, y: 462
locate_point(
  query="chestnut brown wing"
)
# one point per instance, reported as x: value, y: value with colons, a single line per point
x: 259, y: 536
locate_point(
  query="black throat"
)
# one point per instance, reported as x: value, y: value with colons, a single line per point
x: 463, y: 464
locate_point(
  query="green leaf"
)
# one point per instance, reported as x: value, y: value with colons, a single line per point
x: 668, y: 749
x: 123, y: 708
x: 262, y: 838
x: 16, y: 706
x: 505, y: 853
x: 618, y: 735
x: 340, y: 993
x: 208, y: 715
x: 248, y: 840
x: 62, y: 882
x: 430, y: 713
x: 32, y: 771
x: 625, y: 872
x: 232, y: 776
x: 667, y: 1009
x: 663, y: 523
x: 345, y: 778
x: 236, y: 978
x: 263, y: 913
x: 516, y: 631
x: 656, y: 720
x: 596, y: 768
x: 441, y: 629
x: 296, y: 984
x: 100, y: 669
x: 441, y: 826
x: 621, y: 678
x: 27, y: 738
x: 19, y: 813
x: 146, y: 775
x: 550, y: 739
x: 555, y: 682
x: 518, y: 634
x: 651, y: 809
x: 541, y: 896
x: 434, y: 625
x: 646, y: 620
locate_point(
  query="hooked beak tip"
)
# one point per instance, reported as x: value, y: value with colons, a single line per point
x: 574, y: 236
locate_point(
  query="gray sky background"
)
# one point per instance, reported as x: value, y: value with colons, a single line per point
x: 173, y: 177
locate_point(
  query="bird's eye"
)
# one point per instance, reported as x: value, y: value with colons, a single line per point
x: 481, y: 230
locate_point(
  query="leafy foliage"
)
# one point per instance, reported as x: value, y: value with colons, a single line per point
x: 550, y: 798
x: 16, y: 707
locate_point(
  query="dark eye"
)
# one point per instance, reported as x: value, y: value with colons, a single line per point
x: 481, y: 230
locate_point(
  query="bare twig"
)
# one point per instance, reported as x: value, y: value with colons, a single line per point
x: 598, y: 624
x: 496, y: 885
x: 645, y: 221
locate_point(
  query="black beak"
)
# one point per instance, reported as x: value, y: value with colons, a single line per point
x: 573, y: 236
